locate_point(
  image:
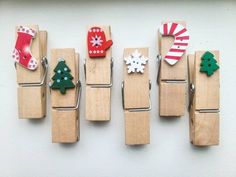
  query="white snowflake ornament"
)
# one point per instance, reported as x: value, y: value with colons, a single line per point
x: 96, y: 41
x: 135, y: 62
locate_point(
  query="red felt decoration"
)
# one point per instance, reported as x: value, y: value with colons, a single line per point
x: 22, y: 53
x: 97, y: 43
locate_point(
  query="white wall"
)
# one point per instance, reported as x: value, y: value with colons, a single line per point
x: 25, y: 146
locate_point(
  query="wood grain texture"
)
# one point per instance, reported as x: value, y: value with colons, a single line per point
x: 65, y: 126
x: 191, y: 125
x: 206, y: 129
x: 70, y: 98
x: 65, y: 123
x: 98, y: 70
x: 32, y: 100
x: 136, y: 85
x: 172, y: 99
x: 27, y: 76
x: 98, y: 104
x: 191, y: 58
x: 168, y: 72
x: 207, y: 88
x: 136, y: 95
x: 137, y: 129
x: 43, y: 42
x: 171, y: 95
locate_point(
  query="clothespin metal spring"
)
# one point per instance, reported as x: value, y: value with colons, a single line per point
x: 100, y: 85
x: 44, y: 62
x: 78, y: 93
x: 159, y: 58
x: 136, y: 109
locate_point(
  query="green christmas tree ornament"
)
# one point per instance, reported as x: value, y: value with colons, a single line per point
x: 209, y: 64
x: 62, y: 78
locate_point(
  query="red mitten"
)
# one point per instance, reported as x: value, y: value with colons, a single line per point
x: 97, y: 43
x: 22, y: 53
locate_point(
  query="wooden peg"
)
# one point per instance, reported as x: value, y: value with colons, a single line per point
x: 172, y: 80
x: 32, y: 84
x: 98, y: 74
x: 204, y: 102
x: 136, y: 99
x: 65, y: 112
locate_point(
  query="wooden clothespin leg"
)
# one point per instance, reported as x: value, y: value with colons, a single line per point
x: 204, y: 97
x: 135, y: 95
x: 98, y: 74
x: 29, y: 55
x: 172, y: 74
x: 65, y: 95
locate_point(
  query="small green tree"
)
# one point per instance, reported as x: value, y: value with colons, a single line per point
x: 62, y: 78
x: 209, y: 64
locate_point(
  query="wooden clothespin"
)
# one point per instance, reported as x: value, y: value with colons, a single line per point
x: 31, y: 67
x: 172, y: 73
x: 65, y: 95
x: 98, y: 74
x: 204, y: 97
x: 135, y: 96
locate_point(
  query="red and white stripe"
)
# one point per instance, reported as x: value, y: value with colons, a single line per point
x: 181, y: 41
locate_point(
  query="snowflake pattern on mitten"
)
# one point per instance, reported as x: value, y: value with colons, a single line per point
x: 97, y: 43
x: 135, y: 62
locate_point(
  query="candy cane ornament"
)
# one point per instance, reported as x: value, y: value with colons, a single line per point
x: 180, y: 43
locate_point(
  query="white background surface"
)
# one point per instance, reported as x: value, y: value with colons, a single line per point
x: 25, y: 146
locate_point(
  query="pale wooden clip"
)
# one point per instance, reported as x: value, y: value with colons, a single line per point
x: 204, y: 102
x: 32, y: 84
x: 136, y: 102
x: 172, y: 81
x: 65, y: 108
x: 98, y: 76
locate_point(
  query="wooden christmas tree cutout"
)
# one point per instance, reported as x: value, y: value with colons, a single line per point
x: 62, y: 78
x: 209, y: 64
